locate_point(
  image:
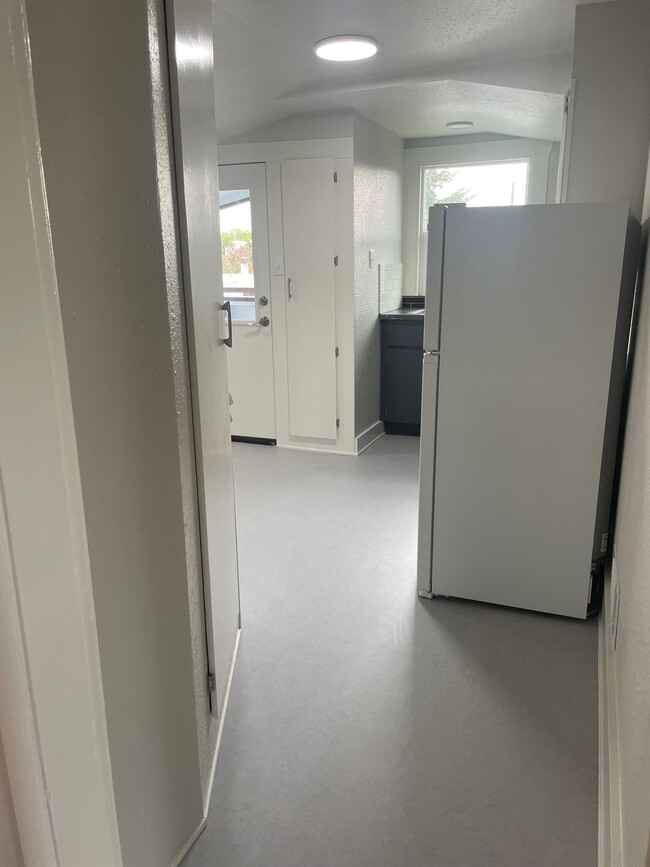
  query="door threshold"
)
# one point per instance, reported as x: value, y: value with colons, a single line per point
x: 260, y: 441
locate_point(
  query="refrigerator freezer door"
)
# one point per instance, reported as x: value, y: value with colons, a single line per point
x: 528, y: 323
x: 427, y: 470
x: 435, y: 257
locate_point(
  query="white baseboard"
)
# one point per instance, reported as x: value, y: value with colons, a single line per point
x: 322, y: 451
x: 208, y: 794
x: 610, y: 828
x: 185, y: 848
x: 369, y: 436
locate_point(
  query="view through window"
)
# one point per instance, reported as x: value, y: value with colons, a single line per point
x: 237, y: 253
x: 476, y: 185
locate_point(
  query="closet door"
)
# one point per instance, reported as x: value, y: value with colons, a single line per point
x: 308, y: 227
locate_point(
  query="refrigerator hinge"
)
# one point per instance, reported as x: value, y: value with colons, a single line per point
x: 212, y: 682
x: 336, y: 352
x: 336, y: 177
x: 338, y: 423
x: 425, y: 594
x: 336, y: 260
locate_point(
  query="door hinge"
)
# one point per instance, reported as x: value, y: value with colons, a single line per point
x: 336, y: 177
x: 336, y: 260
x: 336, y: 352
x: 338, y: 423
x: 212, y: 682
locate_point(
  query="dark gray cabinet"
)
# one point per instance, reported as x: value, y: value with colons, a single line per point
x: 402, y: 339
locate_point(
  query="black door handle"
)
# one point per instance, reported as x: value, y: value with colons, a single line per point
x: 226, y: 306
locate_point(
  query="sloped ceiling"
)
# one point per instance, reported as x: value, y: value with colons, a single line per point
x: 503, y: 64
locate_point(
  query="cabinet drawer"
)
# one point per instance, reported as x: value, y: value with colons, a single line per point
x: 403, y: 334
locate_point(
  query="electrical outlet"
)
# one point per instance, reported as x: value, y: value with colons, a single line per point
x: 614, y: 601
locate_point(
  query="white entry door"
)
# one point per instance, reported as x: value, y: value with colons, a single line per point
x: 247, y: 285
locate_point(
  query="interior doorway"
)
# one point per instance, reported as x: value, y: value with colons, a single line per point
x: 247, y: 286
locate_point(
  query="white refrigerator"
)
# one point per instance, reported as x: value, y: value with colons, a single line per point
x: 527, y: 321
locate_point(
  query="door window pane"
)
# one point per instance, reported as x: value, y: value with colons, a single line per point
x: 237, y: 253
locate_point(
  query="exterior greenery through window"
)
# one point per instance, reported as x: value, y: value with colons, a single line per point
x: 473, y: 184
x: 237, y: 253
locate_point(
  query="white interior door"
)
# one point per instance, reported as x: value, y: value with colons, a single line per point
x: 195, y: 145
x: 247, y: 285
x: 308, y: 227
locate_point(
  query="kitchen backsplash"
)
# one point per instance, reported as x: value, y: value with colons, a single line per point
x: 390, y: 287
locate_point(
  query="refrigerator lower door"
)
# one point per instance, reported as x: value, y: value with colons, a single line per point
x: 427, y: 470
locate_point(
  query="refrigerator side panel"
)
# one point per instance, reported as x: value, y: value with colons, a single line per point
x: 427, y: 471
x: 530, y: 311
x: 630, y: 261
x: 435, y: 259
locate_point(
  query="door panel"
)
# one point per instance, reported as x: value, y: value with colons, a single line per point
x: 194, y: 127
x: 404, y: 383
x: 247, y: 284
x: 308, y: 224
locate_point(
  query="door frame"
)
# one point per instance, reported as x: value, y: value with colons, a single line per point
x: 46, y: 595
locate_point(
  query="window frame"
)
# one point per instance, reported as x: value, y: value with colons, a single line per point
x: 535, y: 151
x: 422, y: 229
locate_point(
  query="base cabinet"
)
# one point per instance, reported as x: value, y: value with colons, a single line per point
x: 401, y: 374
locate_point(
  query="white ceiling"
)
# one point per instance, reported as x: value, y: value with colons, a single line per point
x: 502, y: 63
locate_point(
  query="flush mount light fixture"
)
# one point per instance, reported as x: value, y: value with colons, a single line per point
x: 460, y: 124
x: 345, y: 48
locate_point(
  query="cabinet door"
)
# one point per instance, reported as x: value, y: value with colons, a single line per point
x: 308, y: 227
x: 403, y: 385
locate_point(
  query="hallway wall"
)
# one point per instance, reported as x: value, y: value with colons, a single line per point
x: 102, y: 106
x: 632, y: 541
x: 611, y: 122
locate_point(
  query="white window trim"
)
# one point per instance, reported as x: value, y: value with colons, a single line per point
x: 509, y: 150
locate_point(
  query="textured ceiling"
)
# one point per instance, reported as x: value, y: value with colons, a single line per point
x: 502, y: 63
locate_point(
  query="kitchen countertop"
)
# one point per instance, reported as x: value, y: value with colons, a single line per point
x: 404, y: 313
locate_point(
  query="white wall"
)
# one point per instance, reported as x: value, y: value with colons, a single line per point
x: 468, y: 149
x: 54, y: 750
x: 103, y: 110
x: 378, y: 222
x: 305, y: 126
x: 611, y: 122
x: 632, y: 541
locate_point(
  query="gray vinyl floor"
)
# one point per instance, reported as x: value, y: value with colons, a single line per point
x: 369, y: 728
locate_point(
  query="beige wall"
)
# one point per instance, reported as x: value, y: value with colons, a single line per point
x: 102, y: 110
x: 611, y: 122
x: 632, y: 541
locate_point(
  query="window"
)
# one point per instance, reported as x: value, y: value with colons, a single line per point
x: 476, y: 185
x: 237, y: 253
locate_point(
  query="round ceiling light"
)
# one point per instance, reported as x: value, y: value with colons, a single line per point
x: 460, y: 124
x: 346, y: 48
